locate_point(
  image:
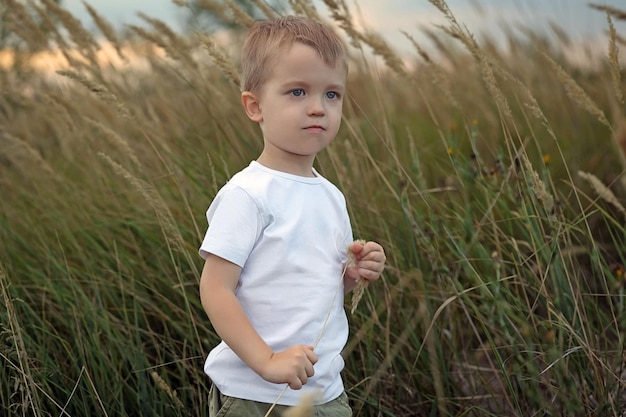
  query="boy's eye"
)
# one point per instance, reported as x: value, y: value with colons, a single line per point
x: 332, y: 95
x: 297, y: 92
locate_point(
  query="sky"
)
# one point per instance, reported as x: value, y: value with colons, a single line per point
x: 390, y: 17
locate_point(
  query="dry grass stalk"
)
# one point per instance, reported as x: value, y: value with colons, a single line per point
x: 560, y: 34
x: 221, y: 60
x: 602, y: 190
x: 64, y: 108
x: 26, y: 379
x: 539, y: 187
x: 181, y: 3
x: 30, y: 152
x: 361, y: 283
x: 164, y: 216
x: 576, y: 92
x: 106, y: 29
x: 614, y: 63
x: 98, y: 89
x: 439, y: 77
x: 160, y: 382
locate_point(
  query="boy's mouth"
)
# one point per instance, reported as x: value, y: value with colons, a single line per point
x: 314, y: 128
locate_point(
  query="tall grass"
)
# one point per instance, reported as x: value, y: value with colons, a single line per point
x: 493, y: 178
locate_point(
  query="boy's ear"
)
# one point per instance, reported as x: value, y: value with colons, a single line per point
x: 252, y: 106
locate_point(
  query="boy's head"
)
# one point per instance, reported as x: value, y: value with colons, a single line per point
x: 266, y: 40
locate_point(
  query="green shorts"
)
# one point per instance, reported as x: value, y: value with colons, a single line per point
x: 221, y: 405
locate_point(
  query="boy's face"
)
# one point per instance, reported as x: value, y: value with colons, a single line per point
x: 299, y: 107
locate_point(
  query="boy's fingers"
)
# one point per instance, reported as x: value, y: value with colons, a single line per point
x: 310, y: 354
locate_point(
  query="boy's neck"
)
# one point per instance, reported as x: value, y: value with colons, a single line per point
x: 302, y: 167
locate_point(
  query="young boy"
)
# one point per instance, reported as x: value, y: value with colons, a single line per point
x: 275, y: 249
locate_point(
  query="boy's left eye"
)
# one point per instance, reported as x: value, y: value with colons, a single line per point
x: 332, y: 95
x: 297, y: 92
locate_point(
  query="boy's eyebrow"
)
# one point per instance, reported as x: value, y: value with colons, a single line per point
x: 296, y: 83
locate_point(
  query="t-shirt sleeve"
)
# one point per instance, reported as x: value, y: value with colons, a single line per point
x: 235, y: 223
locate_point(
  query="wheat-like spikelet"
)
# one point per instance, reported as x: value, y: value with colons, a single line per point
x: 160, y: 382
x: 107, y: 30
x: 417, y: 47
x: 614, y: 63
x: 445, y: 9
x: 116, y: 139
x: 304, y: 408
x: 602, y: 190
x: 23, y: 25
x: 382, y: 49
x: 239, y: 16
x: 613, y: 11
x: 181, y: 3
x: 539, y: 187
x: 221, y: 60
x: 341, y: 15
x: 305, y: 8
x: 576, y: 92
x: 361, y: 283
x: 50, y: 28
x: 175, y: 47
x: 81, y: 36
x: 484, y: 63
x: 98, y: 89
x: 164, y: 216
x: 149, y: 36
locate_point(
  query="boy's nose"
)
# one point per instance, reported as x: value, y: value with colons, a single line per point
x: 316, y: 108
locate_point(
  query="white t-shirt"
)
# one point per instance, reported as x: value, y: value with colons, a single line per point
x: 290, y: 236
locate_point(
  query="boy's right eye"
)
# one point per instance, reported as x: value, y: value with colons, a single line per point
x: 297, y: 92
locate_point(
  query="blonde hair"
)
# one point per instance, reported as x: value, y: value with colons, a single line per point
x: 266, y: 39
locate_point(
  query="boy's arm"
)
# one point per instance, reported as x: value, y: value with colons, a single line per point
x: 370, y: 263
x: 217, y: 292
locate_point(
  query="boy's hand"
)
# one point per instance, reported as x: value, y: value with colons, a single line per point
x: 293, y: 366
x: 370, y: 261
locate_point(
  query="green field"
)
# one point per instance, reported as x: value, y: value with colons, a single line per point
x: 494, y: 180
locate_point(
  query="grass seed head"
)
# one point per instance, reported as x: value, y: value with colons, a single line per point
x: 358, y: 291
